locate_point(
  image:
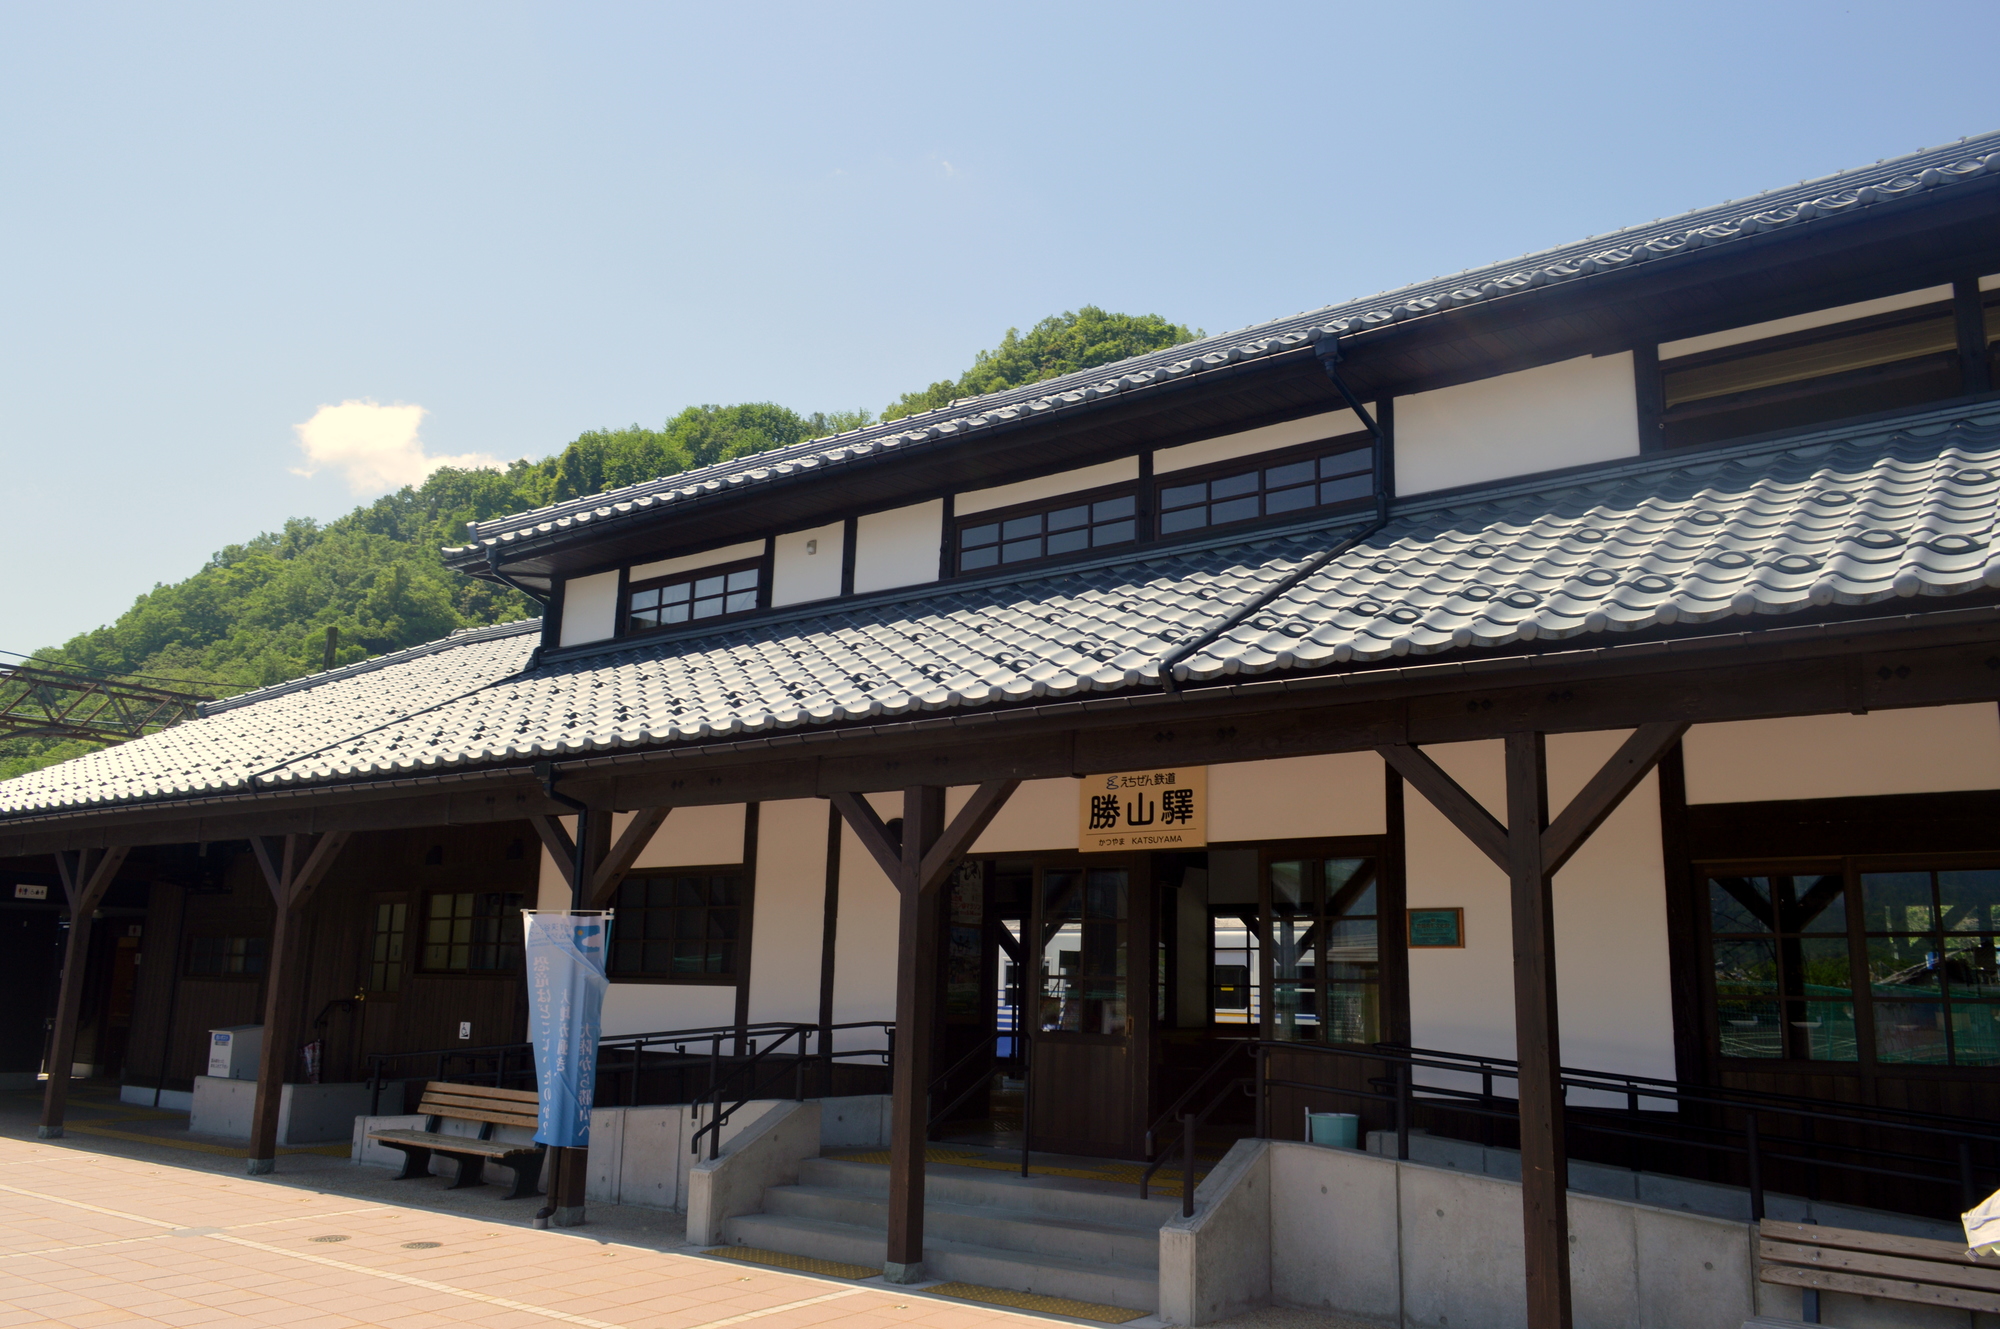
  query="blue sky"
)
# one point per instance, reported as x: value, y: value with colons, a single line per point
x: 534, y: 220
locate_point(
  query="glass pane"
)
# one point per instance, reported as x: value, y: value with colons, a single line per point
x: 1111, y: 509
x: 1340, y: 874
x: 1345, y: 463
x: 1291, y: 888
x: 1233, y: 971
x: 1968, y: 967
x: 1063, y: 519
x: 722, y: 890
x: 1836, y: 355
x: 979, y: 558
x: 1062, y: 894
x: 1904, y: 967
x: 1112, y: 533
x: 1068, y: 542
x: 1290, y: 500
x: 1815, y: 904
x: 706, y: 586
x: 1910, y: 1031
x: 1020, y: 549
x: 1823, y: 967
x: 1187, y: 519
x: 1828, y: 1031
x: 674, y: 614
x: 687, y: 957
x: 1750, y: 1028
x: 1353, y: 1013
x: 1062, y: 962
x: 1352, y: 949
x: 1970, y: 901
x: 688, y: 890
x: 1180, y: 496
x: 741, y: 602
x: 746, y: 580
x: 659, y: 893
x: 1975, y: 1035
x: 1342, y: 491
x: 645, y: 599
x: 654, y: 924
x: 1021, y: 526
x: 1295, y: 474
x: 1746, y: 984
x: 1896, y: 901
x: 707, y: 608
x: 1739, y: 904
x: 972, y: 536
x: 1236, y: 509
x: 1229, y: 486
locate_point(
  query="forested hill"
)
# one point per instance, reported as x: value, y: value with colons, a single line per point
x: 257, y: 612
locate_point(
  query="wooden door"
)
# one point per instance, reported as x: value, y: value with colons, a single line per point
x: 1090, y: 1005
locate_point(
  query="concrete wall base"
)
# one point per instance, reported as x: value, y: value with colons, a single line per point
x: 768, y: 1153
x: 307, y: 1113
x: 894, y: 1272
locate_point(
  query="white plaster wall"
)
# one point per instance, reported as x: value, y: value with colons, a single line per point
x: 1251, y: 441
x: 1612, y: 972
x: 798, y: 576
x: 1818, y: 318
x: 900, y: 547
x: 708, y: 558
x: 791, y: 911
x: 1046, y: 486
x: 642, y: 1008
x: 864, y: 956
x: 1930, y: 750
x: 590, y: 608
x: 692, y: 837
x: 1564, y: 414
x: 551, y: 890
x: 1040, y: 815
x: 1295, y: 797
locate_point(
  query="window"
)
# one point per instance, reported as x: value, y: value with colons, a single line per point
x: 1894, y: 967
x: 1083, y: 978
x: 1326, y: 965
x: 1338, y: 472
x: 1233, y: 969
x: 689, y: 597
x: 385, y: 946
x: 1783, y: 984
x: 680, y: 926
x: 1931, y: 978
x: 1878, y: 364
x: 1048, y: 532
x: 226, y: 957
x: 472, y: 931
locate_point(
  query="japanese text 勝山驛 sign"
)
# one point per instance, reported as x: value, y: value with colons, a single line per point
x: 1164, y: 809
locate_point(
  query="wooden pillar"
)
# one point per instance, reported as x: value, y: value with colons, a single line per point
x: 293, y: 866
x: 1544, y: 1152
x: 918, y: 862
x: 86, y: 875
x: 1530, y: 848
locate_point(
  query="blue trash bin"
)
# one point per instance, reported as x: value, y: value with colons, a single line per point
x: 1338, y: 1130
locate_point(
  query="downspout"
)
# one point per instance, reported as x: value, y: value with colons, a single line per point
x: 1329, y: 359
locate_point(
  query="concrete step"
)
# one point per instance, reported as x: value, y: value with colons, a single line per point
x: 1134, y: 1287
x: 977, y: 1224
x: 1060, y: 1197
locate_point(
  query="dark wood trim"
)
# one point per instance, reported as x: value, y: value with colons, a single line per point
x: 885, y: 848
x: 1385, y: 420
x: 1076, y: 498
x: 1605, y: 790
x: 957, y: 838
x: 293, y: 867
x: 628, y: 588
x: 1683, y: 926
x: 1793, y: 389
x: 622, y: 603
x: 1361, y: 441
x: 1394, y: 894
x: 1785, y: 341
x: 87, y: 875
x: 552, y: 615
x: 746, y: 925
x: 555, y: 838
x: 617, y: 864
x: 1975, y: 360
x: 1148, y: 514
x: 920, y: 916
x: 850, y: 531
x: 829, y: 935
x: 948, y: 542
x: 1445, y: 794
x: 1649, y: 394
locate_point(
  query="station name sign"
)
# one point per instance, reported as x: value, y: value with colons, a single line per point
x: 1159, y: 809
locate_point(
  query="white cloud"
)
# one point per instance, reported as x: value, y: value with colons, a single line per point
x: 375, y: 446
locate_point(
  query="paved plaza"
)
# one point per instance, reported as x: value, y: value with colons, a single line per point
x: 131, y: 1220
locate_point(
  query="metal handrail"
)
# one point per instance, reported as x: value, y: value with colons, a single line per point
x: 1190, y: 1126
x: 1755, y: 1147
x: 977, y: 1049
x: 720, y: 1115
x: 1173, y: 1111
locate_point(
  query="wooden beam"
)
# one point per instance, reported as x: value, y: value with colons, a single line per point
x: 1537, y: 1043
x: 1598, y: 799
x: 916, y: 1005
x: 86, y: 875
x: 559, y: 844
x: 884, y: 848
x: 971, y: 821
x: 293, y: 867
x: 1447, y: 796
x: 632, y: 841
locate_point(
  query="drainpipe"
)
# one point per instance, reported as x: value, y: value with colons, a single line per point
x: 1329, y: 359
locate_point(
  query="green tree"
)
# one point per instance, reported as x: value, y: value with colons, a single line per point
x: 1059, y: 344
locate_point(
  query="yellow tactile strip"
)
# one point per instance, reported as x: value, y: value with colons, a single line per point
x: 800, y: 1263
x: 1035, y: 1301
x: 1167, y: 1181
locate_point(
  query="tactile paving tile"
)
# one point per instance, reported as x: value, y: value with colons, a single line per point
x: 804, y: 1264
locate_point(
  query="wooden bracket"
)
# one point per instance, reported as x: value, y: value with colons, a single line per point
x: 632, y: 841
x: 887, y: 848
x: 87, y: 874
x: 1449, y: 797
x: 294, y: 865
x: 556, y: 839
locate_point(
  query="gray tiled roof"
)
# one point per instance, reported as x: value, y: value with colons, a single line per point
x: 1841, y: 518
x: 1779, y: 209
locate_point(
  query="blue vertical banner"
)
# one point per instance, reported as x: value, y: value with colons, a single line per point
x: 565, y: 956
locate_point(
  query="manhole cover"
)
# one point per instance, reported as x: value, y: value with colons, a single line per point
x: 332, y: 1237
x: 421, y: 1245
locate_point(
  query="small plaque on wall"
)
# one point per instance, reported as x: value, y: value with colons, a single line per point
x: 1437, y: 929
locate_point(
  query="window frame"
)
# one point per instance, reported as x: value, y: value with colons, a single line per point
x: 627, y: 588
x: 622, y: 916
x: 406, y: 965
x: 1361, y: 441
x: 961, y: 522
x: 244, y: 976
x: 418, y: 962
x: 1850, y: 868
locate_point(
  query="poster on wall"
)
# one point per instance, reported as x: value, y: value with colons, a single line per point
x: 1157, y: 809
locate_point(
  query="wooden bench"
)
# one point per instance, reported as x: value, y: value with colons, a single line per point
x: 1876, y: 1264
x: 444, y: 1102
